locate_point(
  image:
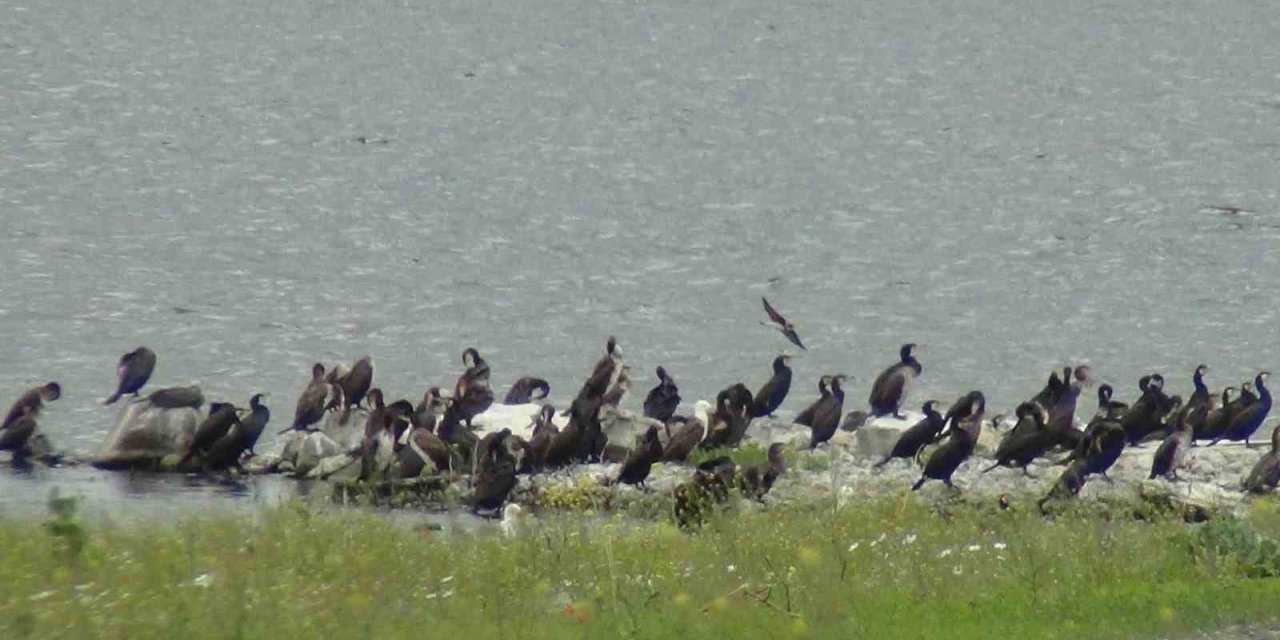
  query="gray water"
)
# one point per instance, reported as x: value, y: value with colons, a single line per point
x: 251, y: 187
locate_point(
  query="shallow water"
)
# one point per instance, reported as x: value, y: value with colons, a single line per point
x: 249, y: 188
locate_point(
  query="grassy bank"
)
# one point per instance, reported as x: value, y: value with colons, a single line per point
x: 891, y: 568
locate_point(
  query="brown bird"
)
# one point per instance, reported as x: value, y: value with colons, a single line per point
x: 311, y: 404
x: 781, y: 324
x: 34, y: 400
x: 355, y: 384
x: 133, y: 371
x: 635, y: 469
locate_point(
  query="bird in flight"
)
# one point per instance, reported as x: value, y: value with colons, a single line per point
x: 781, y: 324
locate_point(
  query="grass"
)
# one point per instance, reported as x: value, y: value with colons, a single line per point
x: 897, y: 567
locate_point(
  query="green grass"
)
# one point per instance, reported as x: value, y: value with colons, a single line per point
x: 897, y: 567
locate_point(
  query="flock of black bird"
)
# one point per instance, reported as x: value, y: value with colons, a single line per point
x: 437, y: 434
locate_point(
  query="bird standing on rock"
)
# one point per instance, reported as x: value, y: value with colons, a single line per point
x: 1266, y: 471
x: 918, y: 435
x: 826, y: 416
x: 355, y: 384
x: 216, y: 425
x: 1249, y: 419
x: 635, y: 469
x: 495, y: 474
x: 1173, y: 451
x: 892, y: 385
x: 472, y: 394
x: 133, y: 372
x: 663, y: 399
x: 1030, y: 438
x: 770, y: 396
x: 965, y: 420
x: 311, y: 403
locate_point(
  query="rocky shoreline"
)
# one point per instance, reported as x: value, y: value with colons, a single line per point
x: 842, y: 469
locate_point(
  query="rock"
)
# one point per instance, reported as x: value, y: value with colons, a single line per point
x: 516, y: 417
x: 312, y: 448
x: 767, y: 431
x: 337, y: 467
x: 875, y: 439
x: 349, y: 434
x: 145, y: 435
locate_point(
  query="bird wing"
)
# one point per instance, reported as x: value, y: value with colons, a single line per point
x: 773, y: 313
x: 794, y: 338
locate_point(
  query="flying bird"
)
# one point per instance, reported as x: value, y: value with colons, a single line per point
x: 781, y: 324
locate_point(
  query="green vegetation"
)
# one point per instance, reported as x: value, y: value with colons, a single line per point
x: 896, y: 567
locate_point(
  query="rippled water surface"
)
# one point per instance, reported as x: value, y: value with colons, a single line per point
x: 250, y: 187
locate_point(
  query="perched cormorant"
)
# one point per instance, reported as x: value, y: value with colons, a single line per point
x: 663, y: 399
x: 755, y: 481
x: 1218, y: 419
x: 472, y: 394
x: 255, y: 422
x: 918, y: 435
x: 1104, y: 438
x: 34, y: 400
x: 575, y: 443
x: 526, y: 390
x: 770, y: 396
x: 311, y: 403
x: 544, y: 430
x: 682, y: 441
x: 1173, y: 451
x: 1266, y: 472
x: 805, y: 417
x: 1030, y: 438
x: 177, y: 397
x: 1069, y: 483
x: 355, y: 384
x: 420, y: 445
x: 826, y: 416
x: 1052, y: 390
x: 965, y: 425
x: 133, y: 372
x: 781, y: 324
x: 221, y: 416
x: 891, y: 386
x: 728, y: 424
x: 225, y: 452
x: 1062, y: 413
x: 1148, y: 413
x: 495, y: 474
x: 1200, y: 397
x: 635, y: 469
x: 607, y: 367
x: 1244, y: 423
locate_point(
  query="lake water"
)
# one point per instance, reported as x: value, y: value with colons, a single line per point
x: 250, y: 187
